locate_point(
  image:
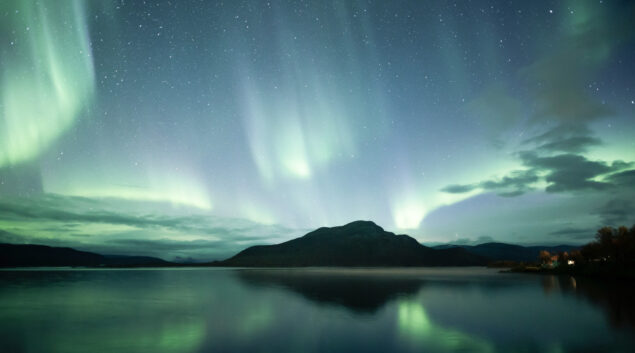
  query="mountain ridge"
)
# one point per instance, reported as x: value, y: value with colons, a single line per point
x: 356, y: 244
x: 497, y: 251
x: 32, y: 255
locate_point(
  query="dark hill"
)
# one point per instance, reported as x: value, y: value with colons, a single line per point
x: 360, y: 243
x: 135, y: 261
x: 19, y: 255
x: 509, y: 252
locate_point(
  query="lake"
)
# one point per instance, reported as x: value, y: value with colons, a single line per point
x: 311, y: 310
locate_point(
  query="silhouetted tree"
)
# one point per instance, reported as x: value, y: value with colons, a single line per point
x: 545, y: 257
x: 612, y: 253
x: 611, y: 245
x: 563, y: 257
x: 576, y: 256
x: 591, y: 252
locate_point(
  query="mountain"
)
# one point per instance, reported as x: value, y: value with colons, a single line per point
x: 357, y: 244
x: 18, y: 255
x: 12, y: 255
x: 360, y: 243
x: 134, y: 261
x: 508, y: 252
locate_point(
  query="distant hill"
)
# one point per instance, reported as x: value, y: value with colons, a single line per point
x: 508, y: 252
x: 18, y: 255
x: 360, y: 243
x: 135, y: 261
x: 357, y: 244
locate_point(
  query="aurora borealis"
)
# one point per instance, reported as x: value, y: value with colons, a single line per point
x: 196, y: 128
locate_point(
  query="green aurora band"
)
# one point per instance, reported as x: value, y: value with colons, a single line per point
x: 47, y: 76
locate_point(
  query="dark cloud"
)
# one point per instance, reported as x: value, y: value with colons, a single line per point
x: 574, y: 233
x: 575, y: 144
x: 199, y: 249
x: 33, y: 209
x: 159, y: 245
x: 570, y: 172
x: 513, y: 193
x: 558, y: 84
x: 616, y: 212
x: 67, y: 218
x: 15, y: 238
x: 166, y: 244
x: 459, y: 189
x: 568, y: 231
x: 38, y: 209
x: 517, y: 183
x: 625, y: 178
x: 559, y: 80
x: 575, y: 138
x: 563, y: 173
x: 8, y: 237
x: 469, y: 241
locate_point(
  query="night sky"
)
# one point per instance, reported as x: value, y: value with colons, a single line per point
x: 193, y: 129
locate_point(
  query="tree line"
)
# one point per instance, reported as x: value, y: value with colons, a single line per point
x: 612, y: 247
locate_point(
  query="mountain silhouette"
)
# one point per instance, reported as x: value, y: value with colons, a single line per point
x: 509, y: 252
x: 27, y: 255
x: 360, y: 243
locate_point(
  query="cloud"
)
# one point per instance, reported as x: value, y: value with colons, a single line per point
x: 517, y: 183
x: 575, y: 144
x: 559, y: 110
x: 71, y: 210
x: 562, y: 173
x: 571, y: 172
x: 199, y: 249
x: 562, y: 108
x: 625, y: 178
x: 469, y: 241
x: 8, y: 237
x: 574, y: 233
x: 165, y: 244
x: 562, y: 103
x: 14, y: 238
x: 559, y: 79
x: 619, y: 211
x: 35, y: 211
x: 459, y: 189
x: 97, y: 225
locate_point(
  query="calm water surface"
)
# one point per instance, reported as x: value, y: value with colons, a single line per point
x: 311, y: 310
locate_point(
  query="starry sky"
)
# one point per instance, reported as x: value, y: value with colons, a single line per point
x: 192, y: 129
